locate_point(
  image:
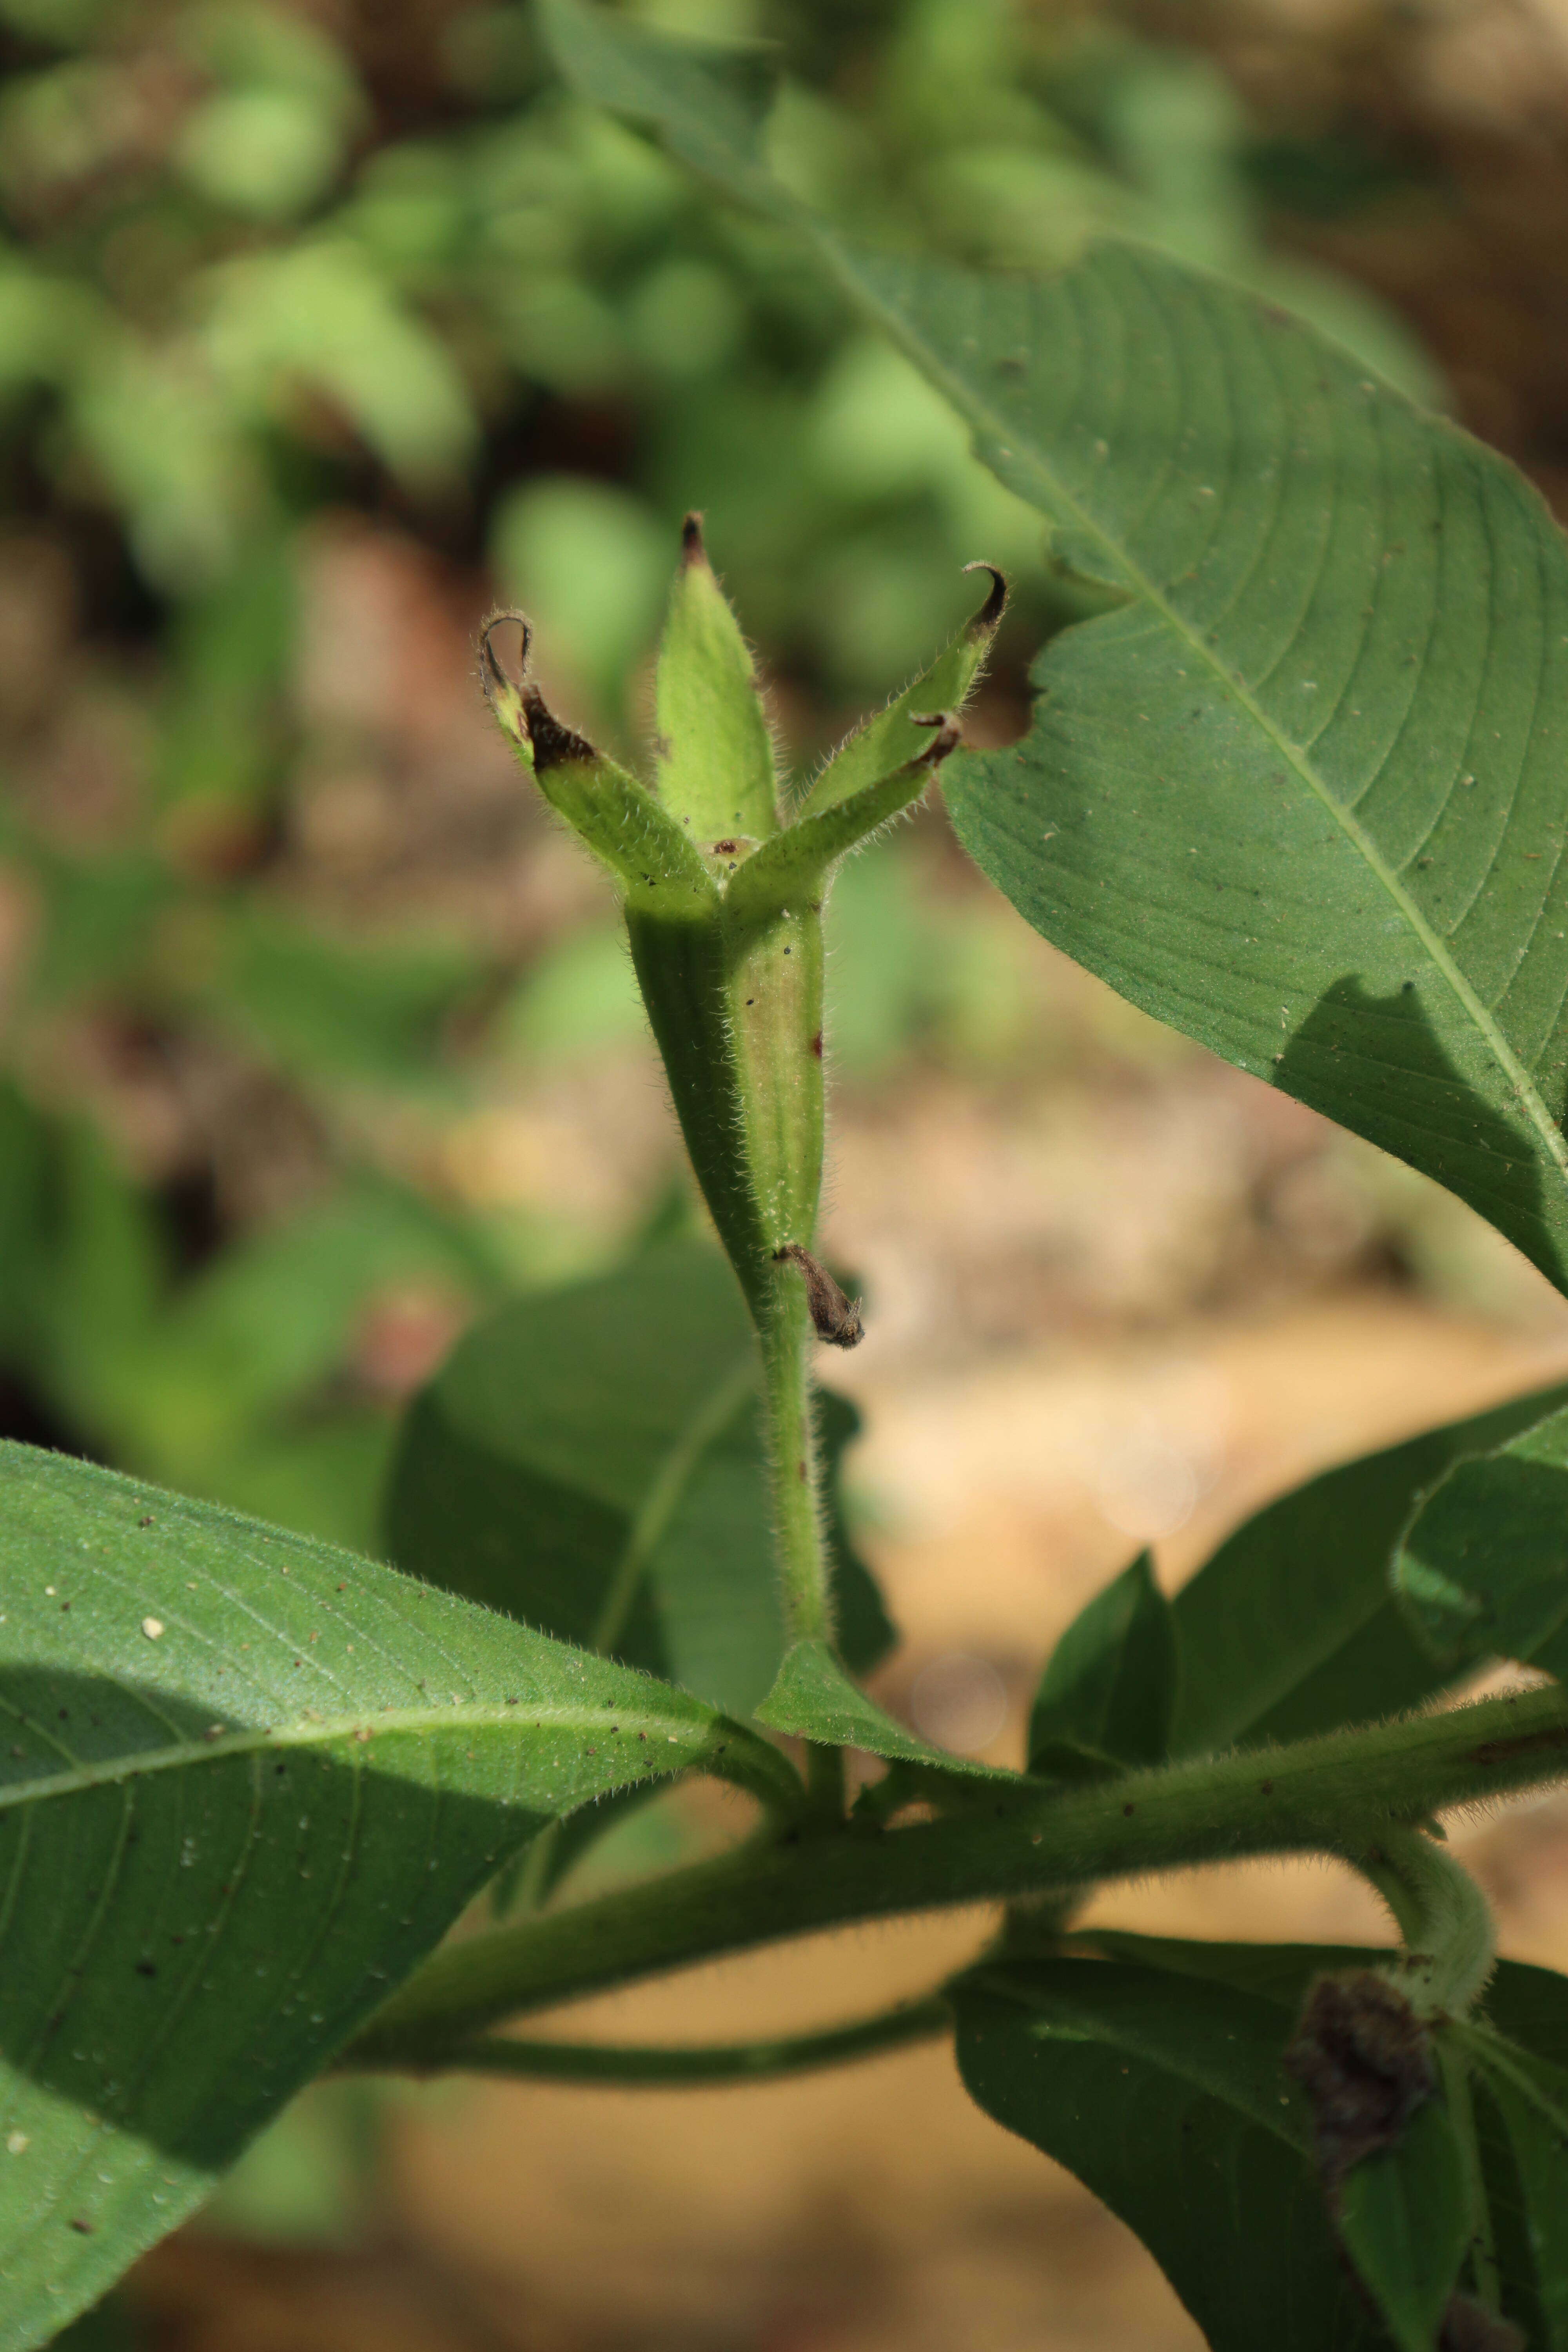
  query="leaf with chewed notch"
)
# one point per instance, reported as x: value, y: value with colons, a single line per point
x: 246, y: 1782
x: 1301, y: 793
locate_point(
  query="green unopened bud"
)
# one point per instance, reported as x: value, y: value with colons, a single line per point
x: 723, y: 905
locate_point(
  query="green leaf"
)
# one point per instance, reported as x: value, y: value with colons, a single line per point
x: 1291, y: 1627
x: 1530, y: 2203
x: 815, y: 1699
x: 591, y: 1460
x: 246, y: 1782
x: 1483, y: 1567
x: 1165, y: 2095
x: 1521, y: 2115
x: 1404, y: 2219
x: 1108, y: 1690
x: 1302, y: 793
x: 715, y: 753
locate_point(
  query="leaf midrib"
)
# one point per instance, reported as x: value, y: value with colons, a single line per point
x: 961, y: 393
x: 667, y: 1490
x: 114, y: 1773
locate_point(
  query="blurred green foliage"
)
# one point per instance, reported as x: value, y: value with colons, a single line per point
x: 259, y: 282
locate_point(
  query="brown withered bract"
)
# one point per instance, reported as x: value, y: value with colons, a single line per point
x: 834, y: 1317
x: 1364, y: 2060
x: 1470, y: 2326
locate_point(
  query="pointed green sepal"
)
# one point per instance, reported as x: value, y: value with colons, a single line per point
x: 658, y: 866
x: 815, y: 1699
x: 891, y: 739
x: 716, y: 774
x: 793, y: 869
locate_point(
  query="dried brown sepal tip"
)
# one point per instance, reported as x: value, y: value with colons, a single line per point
x: 1470, y: 2326
x: 1364, y: 2060
x: 990, y: 613
x: 503, y: 692
x: 691, y: 548
x: 949, y: 735
x: 834, y: 1317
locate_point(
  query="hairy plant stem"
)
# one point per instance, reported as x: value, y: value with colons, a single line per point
x: 1345, y: 1792
x: 1445, y: 1920
x: 620, y: 2064
x: 784, y: 1328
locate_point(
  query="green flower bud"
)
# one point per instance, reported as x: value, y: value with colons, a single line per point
x: 723, y: 903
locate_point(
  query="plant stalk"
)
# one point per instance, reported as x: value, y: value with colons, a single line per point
x: 619, y: 2065
x: 1345, y: 1791
x: 1445, y: 1920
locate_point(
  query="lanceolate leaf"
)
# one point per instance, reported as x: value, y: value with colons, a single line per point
x: 590, y: 1461
x: 1483, y: 1569
x: 1292, y: 1628
x: 1533, y: 2226
x: 1165, y: 2095
x: 1304, y: 794
x: 245, y: 1782
x: 1404, y: 2217
x: 1110, y: 1687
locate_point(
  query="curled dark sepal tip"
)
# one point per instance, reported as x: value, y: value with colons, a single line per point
x: 949, y: 735
x: 834, y: 1317
x: 495, y: 675
x: 691, y: 548
x: 995, y: 604
x: 554, y: 741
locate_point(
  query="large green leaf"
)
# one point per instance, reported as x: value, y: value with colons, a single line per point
x: 1302, y: 792
x: 590, y: 1461
x: 1291, y: 1627
x: 245, y: 1782
x: 1483, y: 1567
x: 1164, y: 2094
